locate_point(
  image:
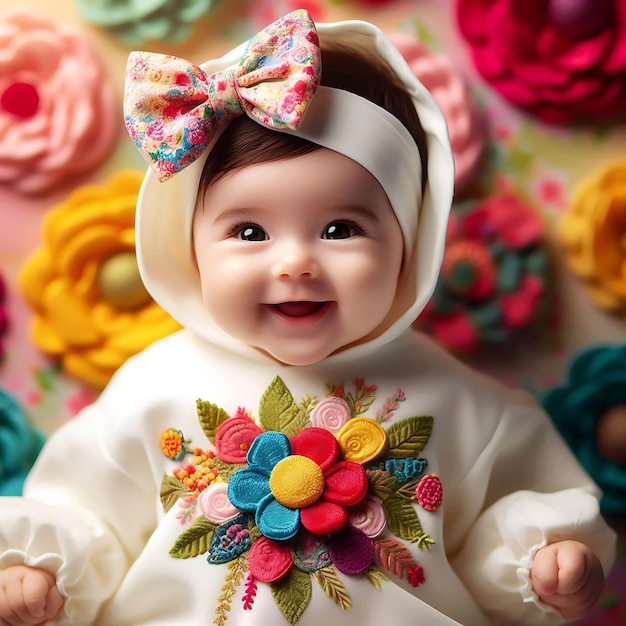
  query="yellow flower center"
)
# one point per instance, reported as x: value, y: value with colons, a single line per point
x: 120, y: 284
x: 297, y: 481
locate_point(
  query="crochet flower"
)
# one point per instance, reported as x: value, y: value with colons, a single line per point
x: 593, y: 232
x: 561, y: 61
x: 466, y: 126
x: 20, y: 444
x: 137, y: 22
x: 4, y: 318
x: 58, y: 116
x: 299, y: 502
x: 493, y: 276
x: 297, y: 482
x: 90, y: 307
x: 595, y: 385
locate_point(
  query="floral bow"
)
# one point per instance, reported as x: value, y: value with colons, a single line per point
x: 172, y: 108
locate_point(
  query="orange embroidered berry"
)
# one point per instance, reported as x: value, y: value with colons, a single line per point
x: 173, y: 444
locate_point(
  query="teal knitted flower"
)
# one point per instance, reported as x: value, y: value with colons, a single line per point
x: 596, y: 382
x: 20, y: 444
x: 137, y: 21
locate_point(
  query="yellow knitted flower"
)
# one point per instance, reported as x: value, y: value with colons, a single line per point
x: 91, y: 309
x: 593, y: 232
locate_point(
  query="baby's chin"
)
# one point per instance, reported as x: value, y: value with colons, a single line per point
x: 296, y: 358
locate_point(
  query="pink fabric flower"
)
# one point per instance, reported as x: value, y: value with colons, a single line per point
x: 561, y: 60
x: 493, y: 275
x: 215, y: 505
x: 57, y: 107
x: 331, y: 413
x: 466, y: 126
x: 234, y: 437
x: 368, y: 516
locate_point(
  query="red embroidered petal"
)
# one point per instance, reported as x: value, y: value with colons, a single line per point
x: 318, y: 444
x: 234, y: 438
x: 323, y: 518
x: 351, y: 550
x: 269, y: 560
x: 346, y: 483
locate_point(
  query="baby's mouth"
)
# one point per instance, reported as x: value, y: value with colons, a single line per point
x: 303, y: 308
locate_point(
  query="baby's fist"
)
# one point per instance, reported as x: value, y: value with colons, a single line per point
x: 28, y: 596
x: 567, y: 576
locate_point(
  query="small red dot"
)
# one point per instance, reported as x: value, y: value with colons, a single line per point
x: 20, y: 99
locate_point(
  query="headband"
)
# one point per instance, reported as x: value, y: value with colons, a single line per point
x: 333, y: 118
x: 173, y: 111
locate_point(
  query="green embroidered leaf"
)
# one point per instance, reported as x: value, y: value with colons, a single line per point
x: 306, y: 405
x: 226, y: 470
x: 402, y: 519
x: 278, y: 411
x: 236, y: 571
x: 329, y: 581
x: 292, y: 594
x: 210, y: 417
x: 408, y: 437
x: 382, y: 483
x: 393, y: 556
x: 195, y: 540
x: 407, y: 491
x: 374, y: 575
x: 171, y: 490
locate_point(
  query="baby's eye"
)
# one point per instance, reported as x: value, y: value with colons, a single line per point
x: 342, y: 230
x: 250, y: 232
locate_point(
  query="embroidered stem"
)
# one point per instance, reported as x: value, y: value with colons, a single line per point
x: 236, y: 571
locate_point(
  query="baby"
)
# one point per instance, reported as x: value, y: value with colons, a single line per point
x: 297, y: 454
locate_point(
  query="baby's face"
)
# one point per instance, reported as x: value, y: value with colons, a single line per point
x: 298, y: 257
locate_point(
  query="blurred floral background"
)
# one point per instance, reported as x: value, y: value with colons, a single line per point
x: 533, y: 284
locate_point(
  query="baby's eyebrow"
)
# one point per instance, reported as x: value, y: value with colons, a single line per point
x: 358, y: 209
x: 240, y: 213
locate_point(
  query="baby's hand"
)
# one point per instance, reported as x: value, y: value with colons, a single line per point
x: 28, y: 596
x: 567, y: 576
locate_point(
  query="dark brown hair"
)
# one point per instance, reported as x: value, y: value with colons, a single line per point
x: 244, y: 142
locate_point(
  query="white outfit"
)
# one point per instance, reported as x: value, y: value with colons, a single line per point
x: 92, y: 512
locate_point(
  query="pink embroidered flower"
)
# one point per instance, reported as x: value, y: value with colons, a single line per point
x: 561, y: 60
x: 368, y: 516
x: 429, y: 492
x: 57, y: 106
x: 331, y: 413
x: 215, y: 505
x: 468, y: 134
x: 234, y: 438
x: 493, y: 278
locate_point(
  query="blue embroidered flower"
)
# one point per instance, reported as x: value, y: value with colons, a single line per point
x: 20, y: 444
x: 298, y: 482
x: 596, y: 383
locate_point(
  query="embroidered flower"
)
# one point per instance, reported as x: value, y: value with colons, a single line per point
x: 593, y: 232
x: 90, y: 307
x: 368, y: 516
x: 58, y: 116
x: 594, y: 387
x: 429, y: 492
x: 560, y: 61
x: 331, y: 413
x: 137, y: 22
x: 20, y: 444
x: 215, y: 505
x: 309, y: 504
x: 467, y: 128
x: 298, y: 482
x: 493, y: 278
x: 173, y: 444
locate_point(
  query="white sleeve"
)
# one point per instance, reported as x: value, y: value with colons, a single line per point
x: 88, y: 506
x: 527, y: 490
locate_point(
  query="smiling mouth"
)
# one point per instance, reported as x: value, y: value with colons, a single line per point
x: 301, y: 310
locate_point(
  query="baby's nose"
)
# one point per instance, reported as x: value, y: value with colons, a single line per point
x: 296, y: 262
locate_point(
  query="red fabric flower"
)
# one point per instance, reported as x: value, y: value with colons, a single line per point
x: 561, y: 60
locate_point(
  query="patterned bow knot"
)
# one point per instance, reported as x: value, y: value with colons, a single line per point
x: 172, y: 109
